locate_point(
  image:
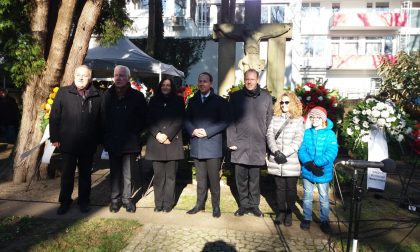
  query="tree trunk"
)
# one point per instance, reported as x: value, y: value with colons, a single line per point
x: 40, y: 18
x: 232, y: 11
x: 80, y: 46
x: 36, y: 92
x: 228, y: 9
x: 55, y: 62
x: 29, y: 133
x: 224, y: 11
x: 151, y: 30
x: 193, y: 8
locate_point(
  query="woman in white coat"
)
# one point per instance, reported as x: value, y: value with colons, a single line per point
x: 284, y: 137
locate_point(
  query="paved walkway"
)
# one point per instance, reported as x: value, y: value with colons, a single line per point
x: 175, y: 238
x: 174, y: 231
x: 178, y: 231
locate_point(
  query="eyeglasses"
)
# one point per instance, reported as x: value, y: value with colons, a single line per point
x: 315, y: 117
x: 284, y: 102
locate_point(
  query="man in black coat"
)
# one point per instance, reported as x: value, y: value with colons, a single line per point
x: 75, y: 131
x: 206, y: 119
x: 9, y: 116
x: 251, y: 111
x: 123, y: 119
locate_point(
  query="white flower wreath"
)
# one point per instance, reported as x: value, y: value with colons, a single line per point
x: 369, y: 113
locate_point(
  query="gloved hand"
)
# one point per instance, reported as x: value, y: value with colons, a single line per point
x: 280, y: 158
x: 316, y: 170
x: 309, y: 165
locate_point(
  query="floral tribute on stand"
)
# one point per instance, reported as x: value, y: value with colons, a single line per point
x: 187, y: 92
x: 316, y: 94
x: 46, y: 109
x: 141, y: 87
x: 373, y: 113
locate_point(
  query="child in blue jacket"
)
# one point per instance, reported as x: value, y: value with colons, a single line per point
x: 317, y: 154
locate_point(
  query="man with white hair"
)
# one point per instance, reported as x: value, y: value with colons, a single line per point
x: 123, y: 119
x: 74, y: 124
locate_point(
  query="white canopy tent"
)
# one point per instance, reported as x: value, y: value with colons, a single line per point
x: 102, y: 60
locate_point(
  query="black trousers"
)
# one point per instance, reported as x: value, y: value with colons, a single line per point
x: 248, y: 183
x: 164, y: 183
x: 84, y: 164
x: 208, y: 169
x: 286, y: 193
x: 120, y: 166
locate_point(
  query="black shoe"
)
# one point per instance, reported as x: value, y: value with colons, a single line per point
x: 84, y: 208
x: 64, y: 208
x: 130, y: 207
x: 305, y: 225
x: 241, y: 211
x: 216, y: 212
x: 115, y: 207
x: 195, y: 210
x: 279, y: 219
x: 288, y: 220
x: 158, y: 209
x: 326, y: 228
x: 167, y: 209
x: 256, y: 212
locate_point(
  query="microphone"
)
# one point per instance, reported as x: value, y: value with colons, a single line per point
x: 386, y: 165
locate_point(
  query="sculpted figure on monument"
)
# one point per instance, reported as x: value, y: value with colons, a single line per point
x: 251, y: 35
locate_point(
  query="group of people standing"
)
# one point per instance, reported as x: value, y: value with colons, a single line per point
x: 248, y: 123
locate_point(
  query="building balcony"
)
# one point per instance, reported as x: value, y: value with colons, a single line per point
x: 315, y: 62
x: 368, y: 21
x: 357, y: 62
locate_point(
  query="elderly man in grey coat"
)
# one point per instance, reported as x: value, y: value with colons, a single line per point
x: 251, y: 111
x: 123, y: 118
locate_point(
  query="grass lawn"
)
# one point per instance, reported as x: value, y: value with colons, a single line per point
x: 37, y: 234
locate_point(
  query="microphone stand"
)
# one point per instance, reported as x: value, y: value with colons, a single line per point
x: 355, y: 211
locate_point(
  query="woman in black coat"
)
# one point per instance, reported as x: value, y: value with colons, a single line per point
x: 164, y: 145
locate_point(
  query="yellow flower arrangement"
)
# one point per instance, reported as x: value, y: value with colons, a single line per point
x: 46, y: 108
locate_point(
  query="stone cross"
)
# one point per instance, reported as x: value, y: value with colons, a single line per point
x: 251, y: 33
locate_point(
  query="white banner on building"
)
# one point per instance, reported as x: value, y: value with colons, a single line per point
x: 377, y: 151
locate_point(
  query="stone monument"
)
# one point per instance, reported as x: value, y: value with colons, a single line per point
x: 251, y: 33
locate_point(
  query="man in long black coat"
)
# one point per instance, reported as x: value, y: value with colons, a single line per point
x: 206, y: 119
x: 75, y: 131
x: 123, y: 119
x: 9, y: 116
x: 251, y: 111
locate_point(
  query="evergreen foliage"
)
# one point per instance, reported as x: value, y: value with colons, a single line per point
x: 401, y: 80
x: 20, y: 56
x: 181, y: 53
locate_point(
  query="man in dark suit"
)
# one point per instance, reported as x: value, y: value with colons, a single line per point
x: 124, y: 117
x: 206, y: 119
x: 75, y: 131
x: 251, y: 111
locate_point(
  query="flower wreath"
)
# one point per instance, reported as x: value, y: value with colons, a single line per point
x: 372, y: 112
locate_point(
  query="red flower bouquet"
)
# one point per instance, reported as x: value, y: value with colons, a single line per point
x: 316, y: 94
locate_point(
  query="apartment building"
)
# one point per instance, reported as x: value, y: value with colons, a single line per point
x: 341, y: 41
